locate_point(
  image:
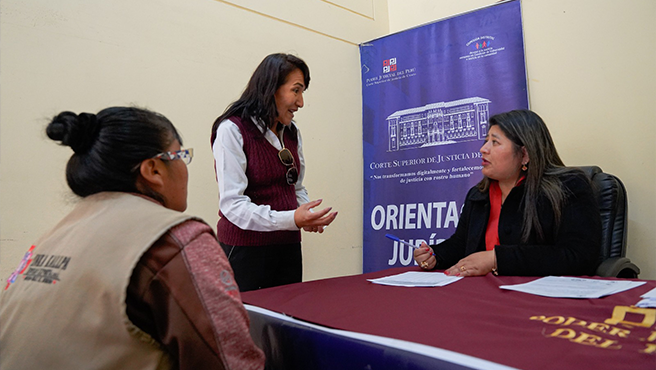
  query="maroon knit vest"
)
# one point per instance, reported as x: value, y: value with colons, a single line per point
x: 267, y: 184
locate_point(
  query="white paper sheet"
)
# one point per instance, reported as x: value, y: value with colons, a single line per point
x: 648, y: 299
x: 647, y: 303
x: 650, y: 294
x: 417, y: 279
x: 572, y: 287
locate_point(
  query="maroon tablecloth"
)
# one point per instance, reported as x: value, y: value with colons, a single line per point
x: 474, y: 317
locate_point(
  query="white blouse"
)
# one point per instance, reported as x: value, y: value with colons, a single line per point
x: 230, y: 163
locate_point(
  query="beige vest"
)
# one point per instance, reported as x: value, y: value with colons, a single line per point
x: 66, y: 308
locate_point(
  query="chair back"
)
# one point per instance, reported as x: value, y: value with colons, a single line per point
x: 613, y: 206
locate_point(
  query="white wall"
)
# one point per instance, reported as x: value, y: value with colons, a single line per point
x: 188, y: 60
x: 591, y: 77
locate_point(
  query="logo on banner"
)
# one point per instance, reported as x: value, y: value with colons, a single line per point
x: 481, y: 47
x: 389, y: 65
x: 482, y: 44
x: 391, y: 72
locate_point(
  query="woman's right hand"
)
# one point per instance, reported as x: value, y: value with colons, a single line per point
x: 425, y: 257
x: 309, y: 220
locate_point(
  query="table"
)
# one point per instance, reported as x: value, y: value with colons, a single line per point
x: 470, y: 324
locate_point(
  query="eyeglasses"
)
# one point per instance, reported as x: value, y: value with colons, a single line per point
x: 184, y: 154
x: 287, y: 159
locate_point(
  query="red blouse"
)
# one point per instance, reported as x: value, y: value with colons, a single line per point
x: 492, y: 232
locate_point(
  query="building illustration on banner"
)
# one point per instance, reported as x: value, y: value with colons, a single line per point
x: 438, y: 124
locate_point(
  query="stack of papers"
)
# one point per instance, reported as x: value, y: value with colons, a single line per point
x: 648, y: 299
x: 572, y: 287
x: 417, y: 279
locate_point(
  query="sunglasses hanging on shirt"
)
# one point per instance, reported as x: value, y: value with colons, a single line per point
x: 287, y: 159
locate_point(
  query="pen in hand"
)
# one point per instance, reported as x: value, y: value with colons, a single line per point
x: 396, y: 238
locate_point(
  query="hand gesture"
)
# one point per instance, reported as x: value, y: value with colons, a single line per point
x: 311, y: 221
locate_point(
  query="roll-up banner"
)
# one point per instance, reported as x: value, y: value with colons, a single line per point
x: 428, y: 93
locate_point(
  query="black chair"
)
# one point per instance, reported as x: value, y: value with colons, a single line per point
x: 611, y: 196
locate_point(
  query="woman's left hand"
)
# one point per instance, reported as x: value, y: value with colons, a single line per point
x: 314, y: 229
x: 308, y: 220
x: 479, y: 263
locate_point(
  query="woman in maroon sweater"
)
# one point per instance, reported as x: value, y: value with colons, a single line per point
x: 260, y: 167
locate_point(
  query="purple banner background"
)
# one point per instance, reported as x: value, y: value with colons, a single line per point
x: 428, y: 93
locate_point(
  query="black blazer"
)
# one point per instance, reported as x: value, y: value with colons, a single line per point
x: 571, y: 250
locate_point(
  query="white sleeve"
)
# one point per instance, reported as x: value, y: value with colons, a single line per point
x: 301, y: 192
x: 230, y: 162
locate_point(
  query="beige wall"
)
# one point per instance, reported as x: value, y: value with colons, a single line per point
x: 592, y: 78
x: 587, y: 63
x: 188, y: 60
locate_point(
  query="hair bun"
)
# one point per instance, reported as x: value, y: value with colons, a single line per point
x: 77, y: 131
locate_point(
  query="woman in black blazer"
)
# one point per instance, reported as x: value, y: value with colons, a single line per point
x: 530, y: 215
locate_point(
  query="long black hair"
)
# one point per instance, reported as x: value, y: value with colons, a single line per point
x: 526, y: 129
x: 258, y: 99
x: 109, y: 146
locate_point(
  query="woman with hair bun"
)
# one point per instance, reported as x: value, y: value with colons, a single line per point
x: 125, y: 280
x: 530, y: 215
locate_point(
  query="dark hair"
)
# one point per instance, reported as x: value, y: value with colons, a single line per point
x: 527, y: 130
x: 109, y: 146
x: 258, y: 99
